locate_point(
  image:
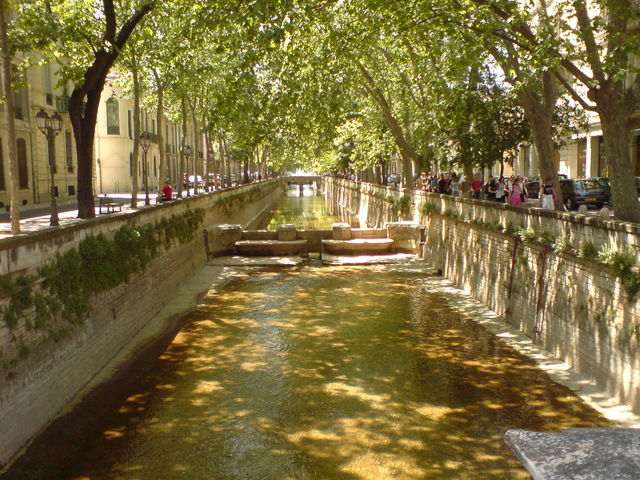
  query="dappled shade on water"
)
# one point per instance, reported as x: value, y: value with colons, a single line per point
x: 341, y: 373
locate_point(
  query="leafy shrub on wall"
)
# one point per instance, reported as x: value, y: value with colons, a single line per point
x: 63, y: 288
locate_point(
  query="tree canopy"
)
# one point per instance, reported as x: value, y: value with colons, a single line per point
x: 350, y: 85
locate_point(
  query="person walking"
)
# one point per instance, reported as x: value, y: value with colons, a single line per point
x: 516, y: 192
x: 476, y: 188
x: 491, y: 188
x: 465, y: 187
x: 443, y: 184
x: 455, y: 185
x: 547, y: 195
x: 501, y: 190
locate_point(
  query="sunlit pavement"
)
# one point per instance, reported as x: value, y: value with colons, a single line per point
x: 32, y: 218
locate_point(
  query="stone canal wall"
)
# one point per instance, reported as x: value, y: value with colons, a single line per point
x: 523, y: 263
x: 45, y: 362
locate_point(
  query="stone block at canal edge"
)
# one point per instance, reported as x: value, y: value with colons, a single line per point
x: 358, y: 246
x: 268, y: 248
x: 286, y: 232
x: 578, y: 453
x: 406, y: 236
x: 341, y: 231
x: 220, y: 239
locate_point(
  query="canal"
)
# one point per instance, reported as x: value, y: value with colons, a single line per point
x: 350, y: 373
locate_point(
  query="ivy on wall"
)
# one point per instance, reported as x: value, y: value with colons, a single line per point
x: 621, y: 261
x: 63, y: 288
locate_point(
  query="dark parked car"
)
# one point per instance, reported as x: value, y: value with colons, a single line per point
x: 532, y: 187
x: 604, y: 183
x: 394, y: 179
x: 583, y: 191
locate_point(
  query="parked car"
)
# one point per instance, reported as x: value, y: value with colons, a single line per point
x: 394, y: 179
x: 532, y: 185
x: 583, y: 191
x: 605, y: 184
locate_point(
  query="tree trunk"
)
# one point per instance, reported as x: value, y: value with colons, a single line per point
x: 183, y: 142
x: 616, y: 137
x: 11, y: 127
x: 90, y: 88
x: 137, y: 131
x: 197, y: 164
x: 163, y: 171
x: 539, y: 114
x: 407, y: 153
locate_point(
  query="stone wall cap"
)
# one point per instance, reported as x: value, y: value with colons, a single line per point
x: 229, y: 226
x: 406, y: 223
x: 578, y: 453
x: 287, y: 227
x: 340, y: 225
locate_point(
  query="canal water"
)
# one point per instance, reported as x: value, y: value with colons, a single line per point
x: 308, y: 210
x: 349, y: 373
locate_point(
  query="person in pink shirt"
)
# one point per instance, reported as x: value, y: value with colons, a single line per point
x: 516, y: 192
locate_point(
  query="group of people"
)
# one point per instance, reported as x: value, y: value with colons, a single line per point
x: 505, y: 190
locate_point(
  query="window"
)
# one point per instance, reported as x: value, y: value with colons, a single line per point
x: 603, y: 167
x: 23, y: 171
x: 131, y: 164
x: 129, y: 127
x: 2, y: 185
x: 71, y: 190
x: 582, y: 157
x: 155, y: 168
x: 153, y: 127
x: 48, y: 88
x: 19, y: 97
x: 113, y: 116
x: 68, y: 151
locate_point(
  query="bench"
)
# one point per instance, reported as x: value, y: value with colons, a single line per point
x: 358, y: 246
x: 109, y: 204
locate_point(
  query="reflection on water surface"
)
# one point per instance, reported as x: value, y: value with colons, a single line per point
x: 340, y: 373
x: 308, y: 211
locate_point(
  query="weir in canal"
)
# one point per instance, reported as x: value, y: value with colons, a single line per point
x: 314, y: 372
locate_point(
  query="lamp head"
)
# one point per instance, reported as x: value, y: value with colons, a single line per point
x: 42, y: 120
x: 55, y: 122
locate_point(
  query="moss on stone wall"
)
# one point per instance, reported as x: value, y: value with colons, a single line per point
x: 60, y: 294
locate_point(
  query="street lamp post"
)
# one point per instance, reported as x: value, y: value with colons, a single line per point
x: 209, y: 170
x: 186, y: 150
x: 145, y: 143
x: 51, y: 126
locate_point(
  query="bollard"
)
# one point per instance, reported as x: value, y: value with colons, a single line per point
x: 406, y: 236
x: 287, y: 232
x: 341, y: 231
x: 221, y: 239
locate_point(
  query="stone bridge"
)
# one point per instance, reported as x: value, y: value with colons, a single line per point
x: 304, y: 179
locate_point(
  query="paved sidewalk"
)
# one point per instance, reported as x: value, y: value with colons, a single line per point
x: 37, y: 217
x: 33, y: 218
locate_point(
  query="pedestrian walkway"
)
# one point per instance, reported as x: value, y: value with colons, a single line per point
x: 31, y: 219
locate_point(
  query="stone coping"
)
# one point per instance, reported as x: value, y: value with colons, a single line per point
x: 578, y: 453
x: 270, y: 242
x: 359, y: 241
x: 608, y: 224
